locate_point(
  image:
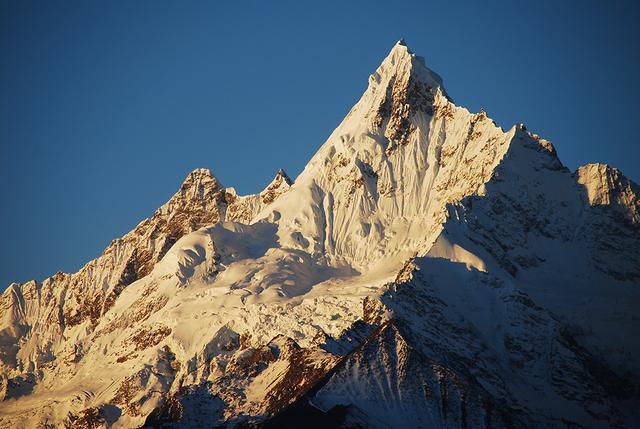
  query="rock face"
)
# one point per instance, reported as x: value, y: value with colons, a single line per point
x: 426, y: 269
x: 244, y: 208
x: 612, y: 222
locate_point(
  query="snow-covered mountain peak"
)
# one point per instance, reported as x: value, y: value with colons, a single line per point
x: 402, y: 153
x: 404, y: 65
x: 282, y: 175
x: 200, y: 191
x: 279, y: 185
x: 200, y: 178
x: 201, y: 172
x: 401, y: 51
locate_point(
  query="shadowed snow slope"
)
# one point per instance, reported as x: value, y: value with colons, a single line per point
x: 426, y: 269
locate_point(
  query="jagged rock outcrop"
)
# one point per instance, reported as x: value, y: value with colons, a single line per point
x: 244, y: 208
x: 611, y: 225
x: 606, y: 186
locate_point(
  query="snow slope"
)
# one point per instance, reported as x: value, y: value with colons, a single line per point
x: 426, y: 269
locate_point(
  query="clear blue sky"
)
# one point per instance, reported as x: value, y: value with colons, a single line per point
x: 106, y: 105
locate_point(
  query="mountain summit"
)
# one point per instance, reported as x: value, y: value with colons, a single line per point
x: 426, y: 269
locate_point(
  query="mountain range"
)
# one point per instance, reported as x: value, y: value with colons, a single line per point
x: 427, y: 269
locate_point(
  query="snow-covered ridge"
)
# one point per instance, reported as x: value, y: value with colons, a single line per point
x: 425, y: 268
x: 39, y: 314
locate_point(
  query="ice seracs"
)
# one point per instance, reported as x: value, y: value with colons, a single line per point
x: 426, y: 268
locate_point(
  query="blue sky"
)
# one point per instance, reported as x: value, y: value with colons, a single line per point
x: 106, y: 106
